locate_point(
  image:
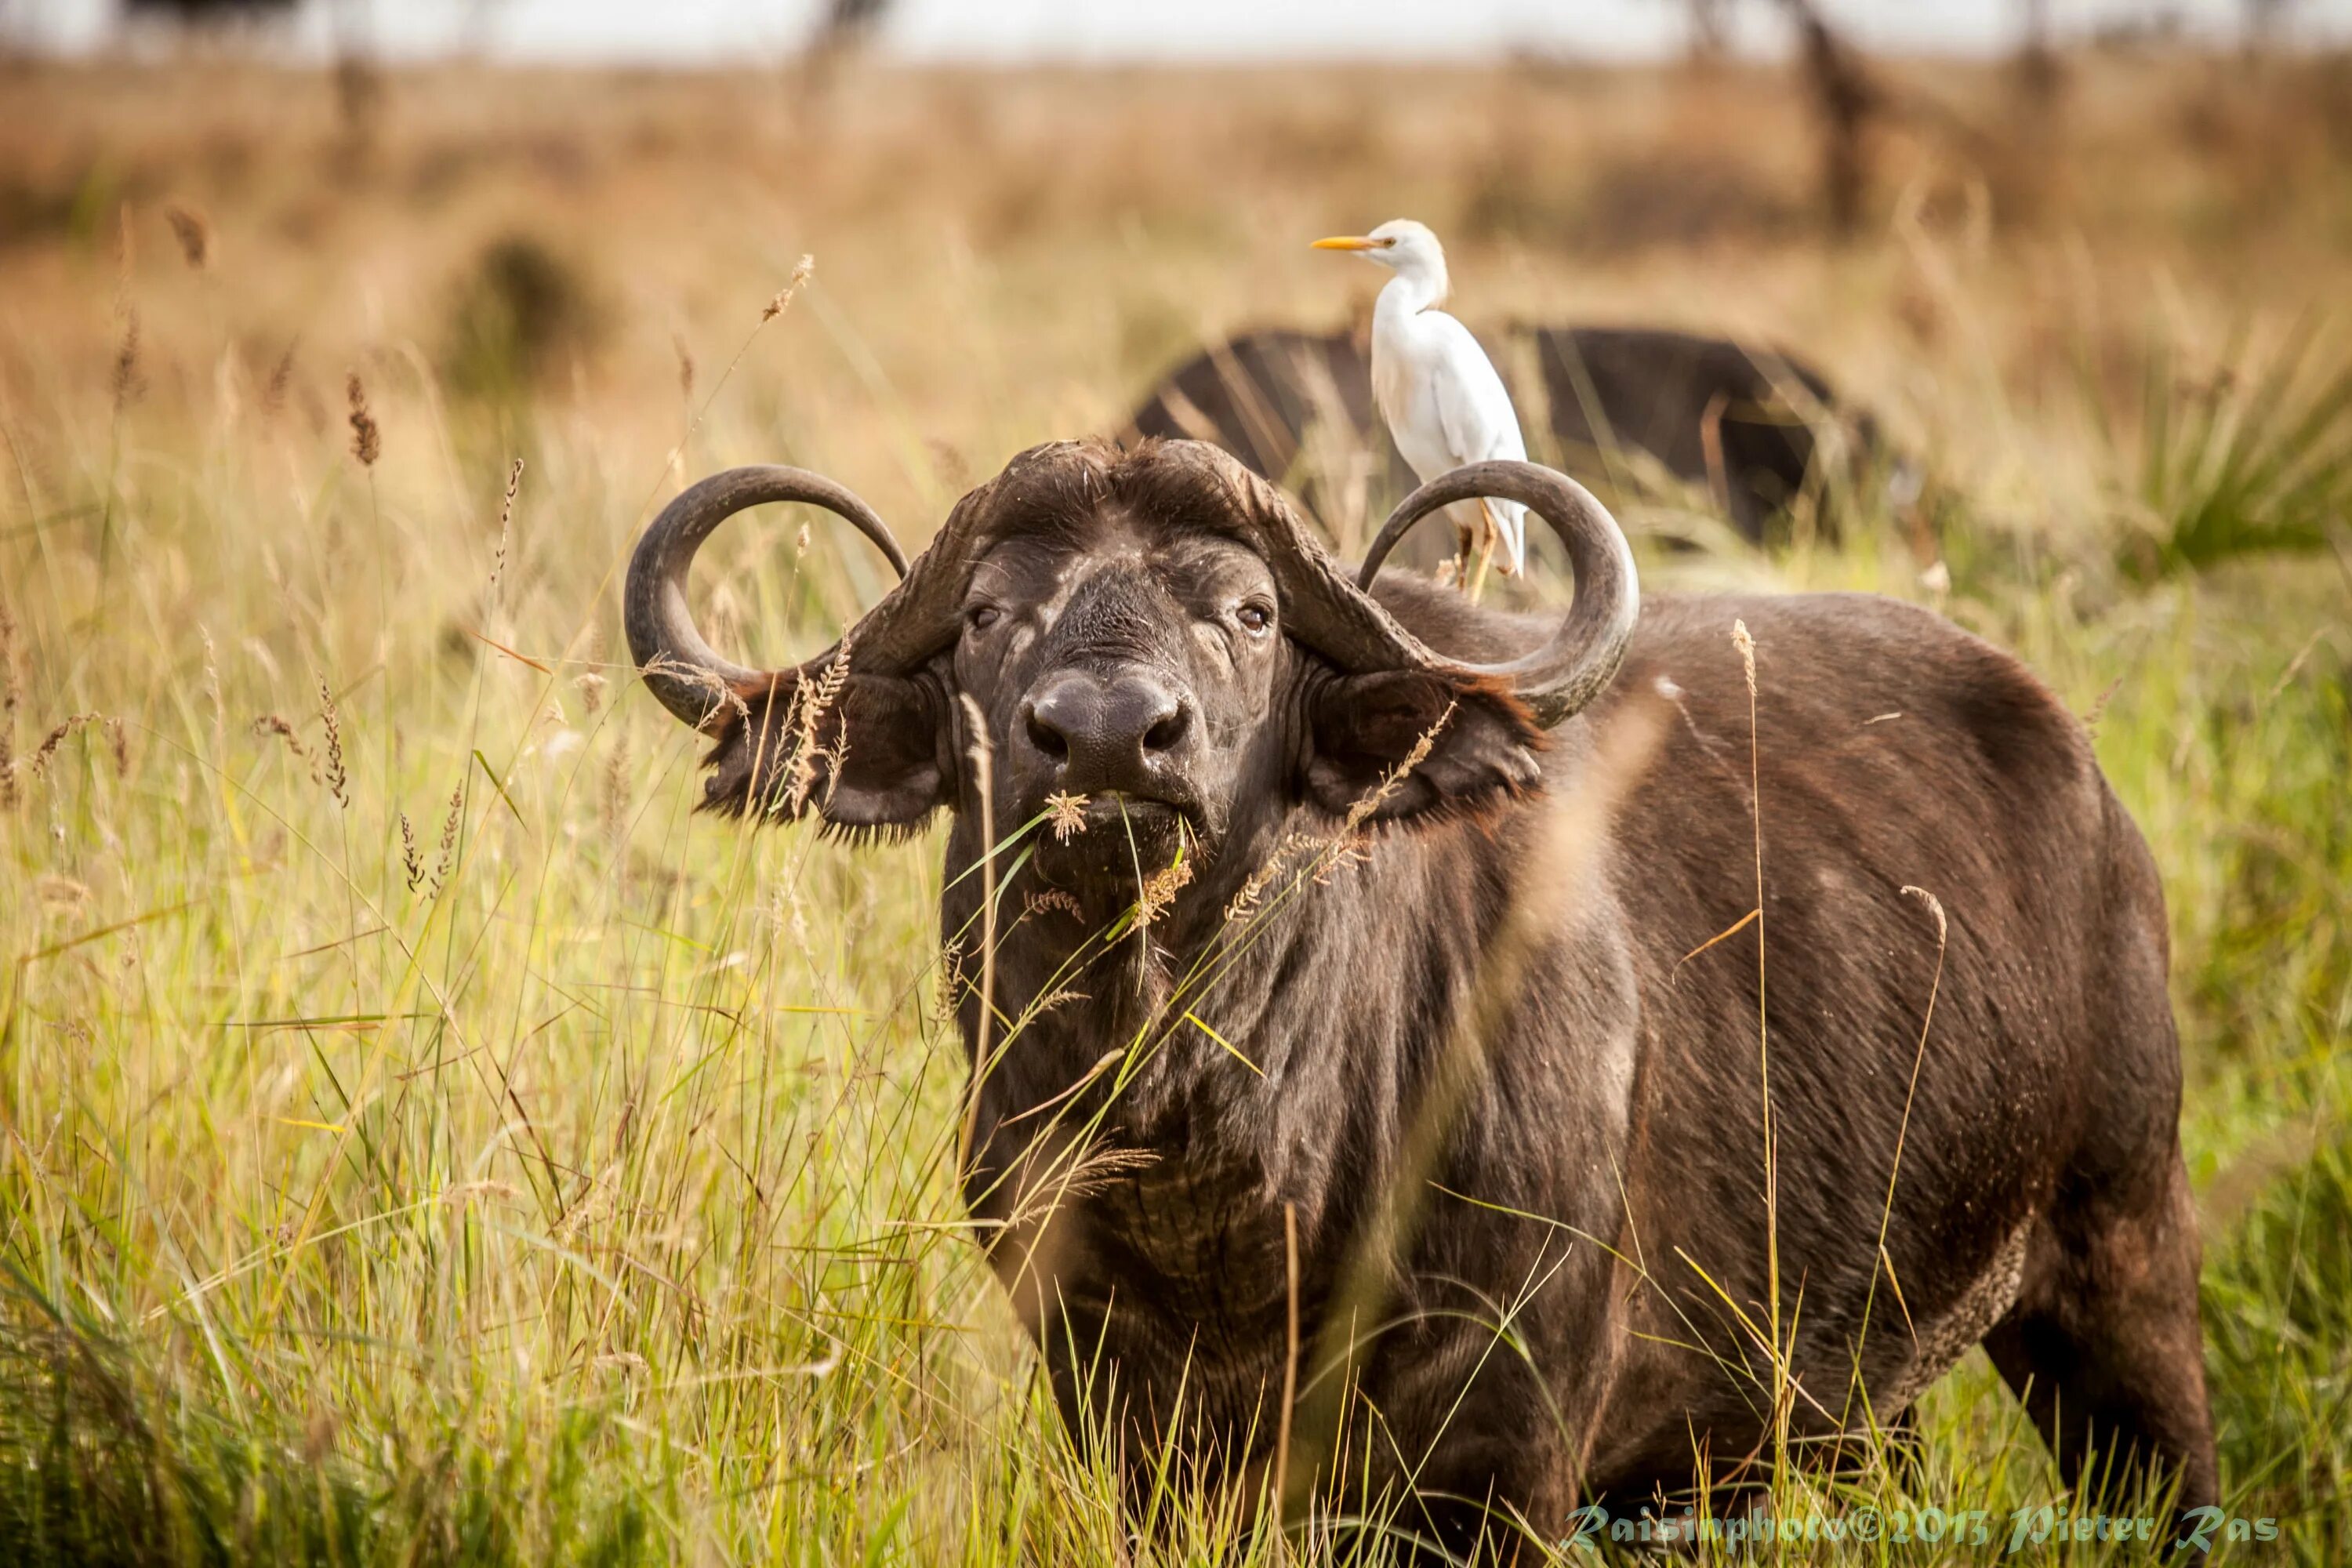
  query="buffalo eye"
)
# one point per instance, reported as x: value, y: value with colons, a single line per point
x: 982, y: 617
x: 1254, y: 618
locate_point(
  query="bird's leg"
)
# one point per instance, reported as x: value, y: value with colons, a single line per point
x: 1475, y: 578
x: 1465, y: 542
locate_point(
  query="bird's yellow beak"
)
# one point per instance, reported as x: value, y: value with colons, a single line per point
x: 1348, y: 242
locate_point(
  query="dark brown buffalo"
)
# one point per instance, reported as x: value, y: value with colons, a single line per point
x: 1740, y: 423
x: 1453, y: 876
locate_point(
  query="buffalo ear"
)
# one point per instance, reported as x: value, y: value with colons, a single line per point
x: 876, y: 753
x: 1482, y: 744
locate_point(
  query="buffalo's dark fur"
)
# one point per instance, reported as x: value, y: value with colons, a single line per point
x: 1601, y: 1187
x: 1713, y: 413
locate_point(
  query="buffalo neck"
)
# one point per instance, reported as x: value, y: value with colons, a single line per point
x: 1268, y: 1028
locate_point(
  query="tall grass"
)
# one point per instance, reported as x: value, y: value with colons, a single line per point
x: 426, y: 1142
x: 2255, y: 454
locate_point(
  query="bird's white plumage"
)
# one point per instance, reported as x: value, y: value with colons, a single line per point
x: 1445, y: 405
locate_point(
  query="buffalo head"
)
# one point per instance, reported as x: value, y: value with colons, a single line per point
x: 1147, y: 643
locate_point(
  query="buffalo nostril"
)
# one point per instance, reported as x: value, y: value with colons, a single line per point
x: 1049, y: 741
x: 1164, y: 735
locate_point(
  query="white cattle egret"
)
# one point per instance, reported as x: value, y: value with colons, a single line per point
x: 1444, y: 403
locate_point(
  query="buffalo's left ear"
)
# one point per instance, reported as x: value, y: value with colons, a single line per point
x: 1481, y: 746
x: 875, y: 752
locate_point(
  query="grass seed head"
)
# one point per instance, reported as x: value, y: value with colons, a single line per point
x: 783, y: 300
x: 273, y: 391
x: 1062, y: 898
x: 38, y: 763
x: 273, y: 724
x: 367, y: 438
x: 812, y: 703
x: 506, y: 528
x: 444, y: 858
x: 195, y: 235
x: 126, y: 381
x: 950, y: 984
x: 1067, y: 814
x: 337, y: 781
x: 1160, y: 890
x: 10, y: 696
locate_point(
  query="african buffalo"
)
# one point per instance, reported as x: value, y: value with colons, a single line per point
x: 1736, y: 421
x: 1386, y: 966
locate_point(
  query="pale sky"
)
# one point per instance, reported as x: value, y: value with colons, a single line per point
x: 689, y: 32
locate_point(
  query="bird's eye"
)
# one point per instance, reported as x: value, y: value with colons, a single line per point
x: 1252, y: 617
x: 982, y: 617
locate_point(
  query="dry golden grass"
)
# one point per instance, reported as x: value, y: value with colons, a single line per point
x: 1069, y: 235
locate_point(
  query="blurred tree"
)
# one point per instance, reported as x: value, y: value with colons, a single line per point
x: 2026, y: 153
x: 2035, y: 57
x: 842, y: 34
x: 2264, y: 21
x: 359, y: 85
x: 2037, y: 73
x: 1846, y: 102
x: 848, y: 24
x: 1710, y: 29
x: 206, y: 10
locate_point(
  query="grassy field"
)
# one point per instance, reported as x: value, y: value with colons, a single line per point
x: 424, y: 1142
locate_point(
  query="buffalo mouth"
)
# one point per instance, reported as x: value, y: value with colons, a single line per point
x: 1116, y: 837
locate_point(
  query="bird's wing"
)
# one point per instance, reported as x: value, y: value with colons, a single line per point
x: 1475, y: 411
x: 1474, y: 407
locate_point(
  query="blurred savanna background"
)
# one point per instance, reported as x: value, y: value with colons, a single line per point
x: 421, y: 1139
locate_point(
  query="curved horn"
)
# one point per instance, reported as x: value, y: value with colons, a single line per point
x: 1569, y: 670
x: 685, y: 674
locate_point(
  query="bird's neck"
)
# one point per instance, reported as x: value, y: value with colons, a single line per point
x: 1413, y: 291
